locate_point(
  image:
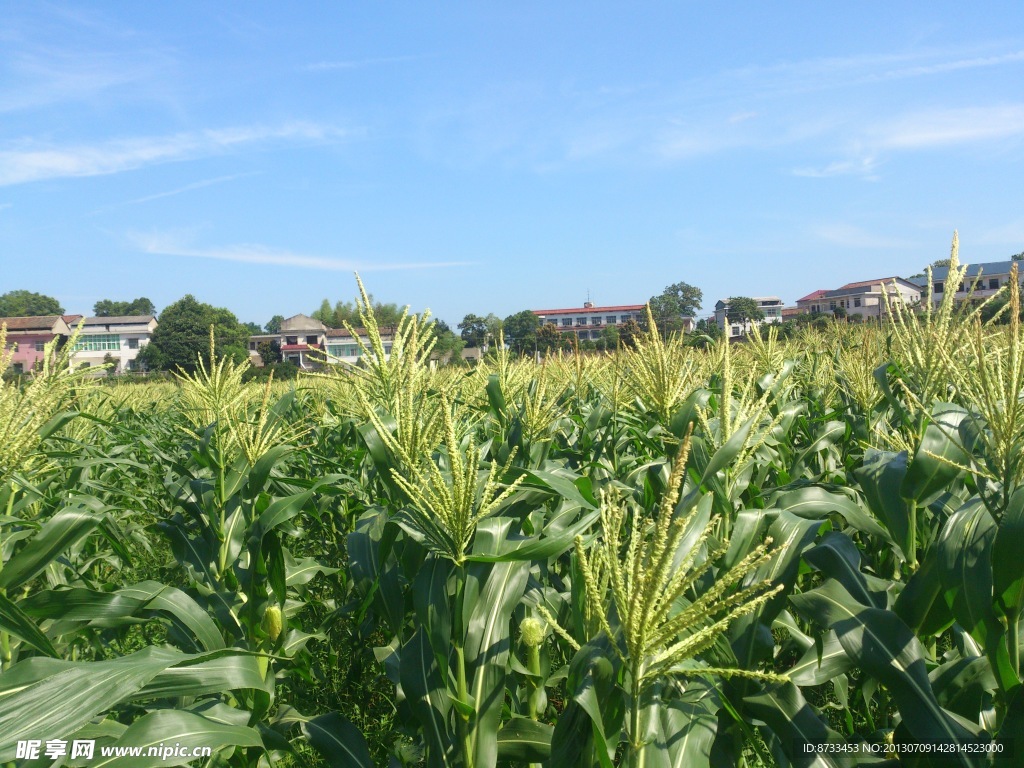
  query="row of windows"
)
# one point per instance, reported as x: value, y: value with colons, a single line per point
x: 569, y: 322
x: 993, y: 284
x: 101, y: 342
x: 350, y: 350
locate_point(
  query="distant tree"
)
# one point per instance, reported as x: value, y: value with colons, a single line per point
x: 183, y: 335
x: 111, y: 364
x: 269, y: 352
x: 709, y: 328
x: 521, y: 331
x: 446, y: 343
x: 28, y: 304
x: 630, y: 333
x: 325, y: 314
x: 940, y: 263
x: 548, y: 338
x: 274, y: 324
x: 108, y: 308
x: 473, y: 330
x: 1017, y: 256
x: 150, y: 358
x: 253, y: 328
x: 839, y: 312
x: 609, y: 338
x: 677, y: 301
x: 743, y: 309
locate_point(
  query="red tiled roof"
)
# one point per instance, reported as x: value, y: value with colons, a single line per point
x: 299, y: 348
x: 816, y: 295
x: 586, y: 310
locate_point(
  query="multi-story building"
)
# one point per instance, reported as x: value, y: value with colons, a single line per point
x: 986, y: 279
x: 588, y: 322
x: 813, y: 303
x: 771, y: 306
x: 867, y: 297
x: 116, y: 339
x: 309, y: 344
x: 27, y: 338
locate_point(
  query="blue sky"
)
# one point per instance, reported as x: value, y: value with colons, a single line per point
x: 494, y: 157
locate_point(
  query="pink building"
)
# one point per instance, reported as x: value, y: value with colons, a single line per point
x: 28, y: 337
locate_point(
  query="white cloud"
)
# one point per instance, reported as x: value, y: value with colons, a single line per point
x: 864, y: 166
x: 162, y: 244
x: 945, y: 127
x: 330, y: 66
x: 30, y: 162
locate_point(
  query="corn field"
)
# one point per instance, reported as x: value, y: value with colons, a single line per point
x: 804, y: 552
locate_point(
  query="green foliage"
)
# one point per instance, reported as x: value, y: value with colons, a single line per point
x: 520, y: 331
x: 744, y: 309
x: 109, y: 308
x: 183, y: 334
x: 27, y: 304
x: 473, y: 330
x: 677, y: 301
x: 274, y: 324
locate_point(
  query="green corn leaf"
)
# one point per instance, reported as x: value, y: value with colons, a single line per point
x: 60, y: 532
x: 16, y: 622
x: 338, y: 741
x: 522, y: 740
x: 881, y: 478
x: 166, y: 728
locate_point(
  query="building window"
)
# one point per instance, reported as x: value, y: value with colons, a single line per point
x: 100, y: 342
x: 735, y: 330
x: 831, y: 305
x: 552, y: 322
x: 856, y: 302
x: 311, y: 339
x: 252, y: 346
x: 610, y: 320
x: 40, y: 346
x: 387, y: 349
x: 937, y: 288
x: 595, y: 321
x: 567, y: 322
x: 343, y: 350
x: 291, y: 339
x: 133, y: 343
x: 993, y: 283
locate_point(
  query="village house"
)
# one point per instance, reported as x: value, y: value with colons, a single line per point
x: 112, y: 339
x: 867, y: 297
x: 986, y: 280
x: 27, y: 338
x: 771, y: 306
x: 589, y: 322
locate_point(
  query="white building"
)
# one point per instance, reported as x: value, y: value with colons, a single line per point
x: 867, y: 297
x: 588, y: 322
x: 119, y: 338
x: 771, y: 306
x: 309, y: 344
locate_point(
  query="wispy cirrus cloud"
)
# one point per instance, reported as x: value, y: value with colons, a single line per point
x: 861, y: 166
x: 331, y: 66
x: 944, y: 127
x: 165, y: 244
x: 33, y: 161
x: 201, y: 184
x: 921, y: 130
